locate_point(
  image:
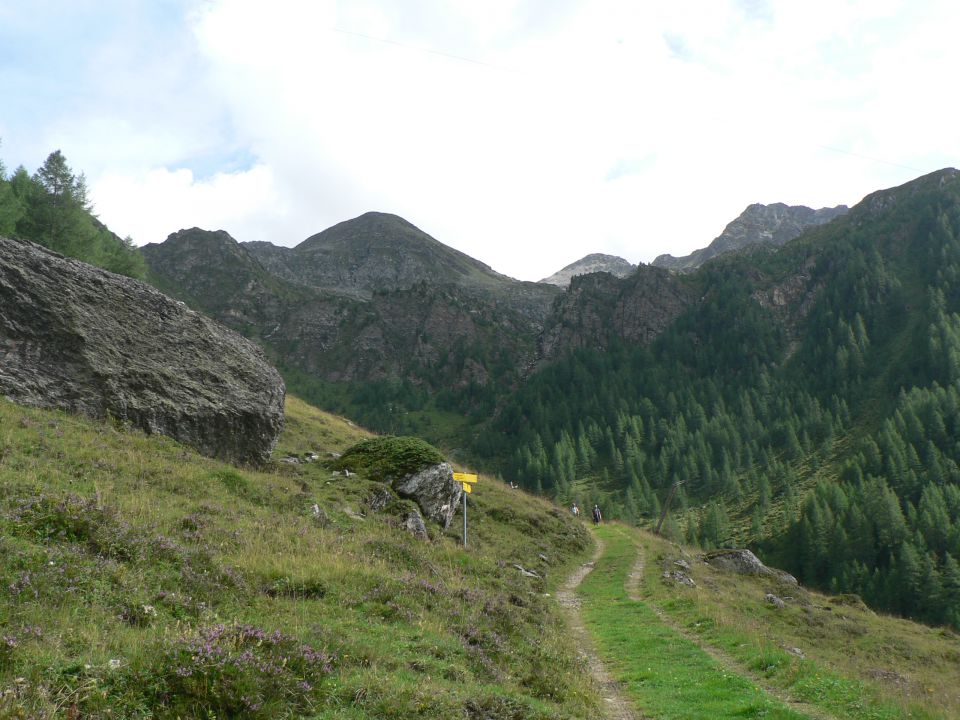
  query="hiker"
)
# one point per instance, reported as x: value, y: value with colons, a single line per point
x: 597, y: 517
x: 575, y: 510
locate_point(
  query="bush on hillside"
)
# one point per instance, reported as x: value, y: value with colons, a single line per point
x: 387, y: 458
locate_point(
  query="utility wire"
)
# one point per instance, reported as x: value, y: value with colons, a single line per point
x: 418, y: 49
x: 871, y: 159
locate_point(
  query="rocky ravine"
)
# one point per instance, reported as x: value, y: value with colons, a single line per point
x: 85, y: 340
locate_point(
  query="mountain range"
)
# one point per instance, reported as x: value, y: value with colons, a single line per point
x: 802, y: 399
x: 755, y: 382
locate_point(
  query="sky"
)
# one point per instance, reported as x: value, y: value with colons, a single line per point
x: 525, y: 133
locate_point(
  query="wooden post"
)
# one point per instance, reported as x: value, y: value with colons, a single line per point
x: 666, y: 504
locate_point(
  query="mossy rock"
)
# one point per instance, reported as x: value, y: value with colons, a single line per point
x: 389, y: 458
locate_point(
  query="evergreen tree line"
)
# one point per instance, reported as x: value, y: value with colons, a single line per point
x: 890, y: 529
x: 51, y: 208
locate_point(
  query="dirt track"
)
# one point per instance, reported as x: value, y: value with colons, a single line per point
x: 617, y: 707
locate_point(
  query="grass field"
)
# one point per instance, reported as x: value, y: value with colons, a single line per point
x: 142, y: 580
x: 719, y: 649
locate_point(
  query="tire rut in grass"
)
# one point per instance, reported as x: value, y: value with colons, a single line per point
x: 731, y: 664
x: 616, y: 707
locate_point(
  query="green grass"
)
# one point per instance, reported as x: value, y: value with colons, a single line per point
x: 142, y: 580
x: 854, y: 664
x: 139, y: 580
x: 666, y: 675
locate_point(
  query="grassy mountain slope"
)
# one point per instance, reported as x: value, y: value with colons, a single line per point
x: 717, y: 647
x: 142, y: 580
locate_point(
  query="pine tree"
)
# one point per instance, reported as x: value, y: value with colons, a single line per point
x: 11, y: 207
x: 57, y: 208
x: 933, y: 519
x: 905, y: 592
x: 950, y: 582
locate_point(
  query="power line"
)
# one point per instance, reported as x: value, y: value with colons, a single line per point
x: 418, y: 49
x: 871, y: 159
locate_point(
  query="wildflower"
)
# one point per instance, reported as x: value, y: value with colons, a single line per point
x: 114, y: 663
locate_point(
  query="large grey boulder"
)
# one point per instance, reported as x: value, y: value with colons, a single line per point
x: 745, y: 562
x: 434, y: 490
x: 85, y: 340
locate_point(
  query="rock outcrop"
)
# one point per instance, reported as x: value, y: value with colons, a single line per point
x: 85, y: 340
x: 413, y: 524
x: 773, y: 224
x: 434, y: 490
x: 599, y: 308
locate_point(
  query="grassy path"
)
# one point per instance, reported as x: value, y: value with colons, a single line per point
x: 665, y: 673
x: 724, y: 659
x: 617, y: 707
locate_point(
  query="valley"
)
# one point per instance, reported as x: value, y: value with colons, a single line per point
x: 180, y: 547
x: 801, y: 392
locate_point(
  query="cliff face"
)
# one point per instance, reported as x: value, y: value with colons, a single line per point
x: 759, y: 224
x: 88, y: 341
x: 599, y: 308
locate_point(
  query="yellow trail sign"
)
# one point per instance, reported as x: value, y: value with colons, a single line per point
x: 467, y: 488
x: 465, y: 477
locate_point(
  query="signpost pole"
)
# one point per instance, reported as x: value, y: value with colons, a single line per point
x: 467, y: 480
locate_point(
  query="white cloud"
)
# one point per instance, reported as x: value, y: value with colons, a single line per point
x: 245, y: 199
x: 522, y: 133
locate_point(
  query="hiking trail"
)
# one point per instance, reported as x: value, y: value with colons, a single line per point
x: 616, y: 706
x: 731, y: 664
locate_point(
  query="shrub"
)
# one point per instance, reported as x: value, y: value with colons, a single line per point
x: 239, y: 671
x: 388, y: 458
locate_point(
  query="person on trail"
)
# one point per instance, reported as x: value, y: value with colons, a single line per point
x: 575, y: 510
x: 597, y: 517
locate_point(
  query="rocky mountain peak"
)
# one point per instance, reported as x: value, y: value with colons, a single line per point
x: 595, y: 262
x: 380, y: 251
x: 198, y: 265
x: 774, y: 224
x: 598, y: 308
x: 882, y: 200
